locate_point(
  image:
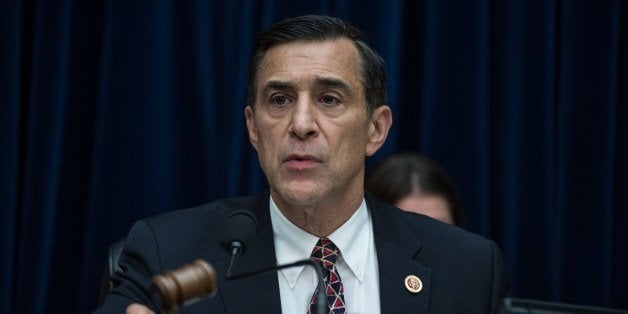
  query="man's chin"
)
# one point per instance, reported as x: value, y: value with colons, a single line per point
x: 300, y: 194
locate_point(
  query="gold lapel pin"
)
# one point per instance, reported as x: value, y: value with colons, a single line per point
x: 413, y: 283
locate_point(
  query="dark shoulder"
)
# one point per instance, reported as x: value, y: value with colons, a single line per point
x: 436, y: 237
x: 180, y: 236
x: 200, y: 222
x: 434, y: 232
x: 216, y: 211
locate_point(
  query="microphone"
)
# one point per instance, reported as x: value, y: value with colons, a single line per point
x: 240, y: 228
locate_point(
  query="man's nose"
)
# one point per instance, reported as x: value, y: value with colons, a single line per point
x: 303, y: 121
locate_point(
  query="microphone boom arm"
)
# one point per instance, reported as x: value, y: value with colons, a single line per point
x: 321, y: 304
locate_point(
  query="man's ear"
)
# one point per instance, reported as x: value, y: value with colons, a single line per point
x: 380, y: 123
x: 250, y: 125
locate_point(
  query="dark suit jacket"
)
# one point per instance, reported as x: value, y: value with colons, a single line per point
x: 461, y: 272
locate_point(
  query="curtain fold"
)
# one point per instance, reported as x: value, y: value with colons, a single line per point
x: 112, y: 111
x: 10, y: 139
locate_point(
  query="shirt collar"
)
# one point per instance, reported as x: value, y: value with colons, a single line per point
x: 352, y: 238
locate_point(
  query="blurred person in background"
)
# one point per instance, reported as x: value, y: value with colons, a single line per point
x: 415, y: 183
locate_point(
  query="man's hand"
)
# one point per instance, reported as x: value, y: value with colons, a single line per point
x: 137, y: 308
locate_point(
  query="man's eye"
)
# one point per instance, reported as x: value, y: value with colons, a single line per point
x: 330, y: 100
x: 279, y: 100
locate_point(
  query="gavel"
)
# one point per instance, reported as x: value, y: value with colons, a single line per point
x: 186, y: 284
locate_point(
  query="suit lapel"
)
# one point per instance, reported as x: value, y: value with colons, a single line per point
x: 396, y: 248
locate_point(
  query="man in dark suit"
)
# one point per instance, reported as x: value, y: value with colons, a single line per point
x: 316, y: 107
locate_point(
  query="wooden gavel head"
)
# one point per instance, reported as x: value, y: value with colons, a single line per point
x: 174, y: 288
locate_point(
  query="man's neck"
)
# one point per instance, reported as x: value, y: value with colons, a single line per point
x: 323, y: 218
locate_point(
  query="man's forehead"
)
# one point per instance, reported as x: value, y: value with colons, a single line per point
x: 341, y: 44
x: 328, y: 63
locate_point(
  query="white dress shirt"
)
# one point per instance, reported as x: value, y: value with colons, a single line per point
x: 357, y: 264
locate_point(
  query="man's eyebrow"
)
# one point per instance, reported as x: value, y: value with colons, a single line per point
x: 330, y: 82
x: 322, y: 81
x: 277, y: 85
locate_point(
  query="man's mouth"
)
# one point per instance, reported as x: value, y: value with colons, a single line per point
x: 301, y: 162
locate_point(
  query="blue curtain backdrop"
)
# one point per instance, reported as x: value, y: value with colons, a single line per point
x: 114, y: 110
